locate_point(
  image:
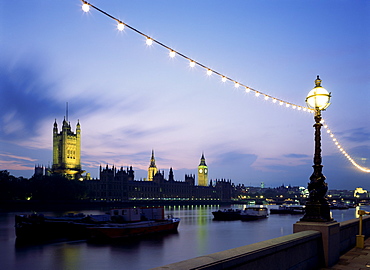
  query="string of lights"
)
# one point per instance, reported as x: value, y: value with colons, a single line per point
x: 209, y: 71
x: 340, y: 148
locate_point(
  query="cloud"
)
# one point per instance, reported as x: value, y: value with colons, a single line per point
x: 10, y: 156
x: 359, y: 135
x: 25, y: 97
x: 296, y: 156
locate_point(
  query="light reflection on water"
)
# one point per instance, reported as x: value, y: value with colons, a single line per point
x: 198, y: 235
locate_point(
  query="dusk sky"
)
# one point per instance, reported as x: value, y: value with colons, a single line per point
x: 131, y: 98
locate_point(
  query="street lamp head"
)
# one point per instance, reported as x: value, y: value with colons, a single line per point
x: 318, y: 98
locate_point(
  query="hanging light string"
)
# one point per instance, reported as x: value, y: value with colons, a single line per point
x: 340, y: 148
x: 192, y: 63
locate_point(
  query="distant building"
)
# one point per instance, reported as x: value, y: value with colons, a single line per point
x: 202, y: 172
x: 119, y: 185
x: 67, y: 151
x: 360, y: 193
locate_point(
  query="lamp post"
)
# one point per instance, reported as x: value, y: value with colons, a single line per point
x: 317, y: 206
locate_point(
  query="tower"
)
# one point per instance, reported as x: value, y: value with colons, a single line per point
x: 152, y: 170
x: 67, y: 150
x: 202, y: 172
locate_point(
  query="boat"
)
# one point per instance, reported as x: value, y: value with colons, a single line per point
x: 227, y: 214
x: 37, y: 227
x: 114, y: 231
x: 288, y: 209
x: 254, y: 213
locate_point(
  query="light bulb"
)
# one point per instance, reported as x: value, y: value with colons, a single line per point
x: 266, y: 97
x: 172, y: 54
x: 287, y: 105
x: 257, y: 94
x: 223, y: 79
x: 120, y: 26
x: 192, y: 64
x: 247, y: 90
x: 281, y: 103
x: 274, y: 100
x: 86, y: 7
x: 209, y: 72
x: 236, y: 84
x: 149, y: 41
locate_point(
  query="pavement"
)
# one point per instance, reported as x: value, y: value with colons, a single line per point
x: 356, y: 258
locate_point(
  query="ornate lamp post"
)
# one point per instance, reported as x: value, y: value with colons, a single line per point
x: 317, y: 206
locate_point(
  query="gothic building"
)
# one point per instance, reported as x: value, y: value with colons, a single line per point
x: 67, y: 151
x: 118, y: 185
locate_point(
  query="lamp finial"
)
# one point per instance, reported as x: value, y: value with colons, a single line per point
x: 318, y: 81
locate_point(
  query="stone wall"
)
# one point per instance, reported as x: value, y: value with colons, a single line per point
x: 348, y: 231
x: 301, y: 250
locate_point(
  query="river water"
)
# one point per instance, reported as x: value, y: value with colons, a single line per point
x: 198, y: 234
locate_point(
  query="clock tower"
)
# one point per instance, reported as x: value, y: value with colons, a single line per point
x: 202, y: 172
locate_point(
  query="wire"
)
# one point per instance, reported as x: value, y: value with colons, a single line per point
x: 149, y: 41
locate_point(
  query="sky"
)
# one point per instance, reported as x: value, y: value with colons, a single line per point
x: 131, y: 98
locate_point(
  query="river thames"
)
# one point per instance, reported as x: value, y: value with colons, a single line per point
x: 198, y: 234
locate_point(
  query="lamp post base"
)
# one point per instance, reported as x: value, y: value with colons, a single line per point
x: 317, y: 212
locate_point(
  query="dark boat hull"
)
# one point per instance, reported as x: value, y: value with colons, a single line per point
x: 122, y: 231
x: 226, y: 215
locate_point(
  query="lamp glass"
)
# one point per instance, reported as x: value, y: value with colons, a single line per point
x: 318, y: 98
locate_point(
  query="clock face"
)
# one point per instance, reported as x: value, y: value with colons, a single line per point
x: 200, y: 170
x: 205, y: 170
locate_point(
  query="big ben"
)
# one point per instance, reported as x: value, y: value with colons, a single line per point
x: 202, y: 172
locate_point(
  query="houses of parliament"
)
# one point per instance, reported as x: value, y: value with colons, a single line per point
x: 119, y: 184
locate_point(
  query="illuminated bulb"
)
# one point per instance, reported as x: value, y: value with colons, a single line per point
x: 120, y: 26
x: 266, y: 97
x: 223, y: 79
x: 236, y: 84
x: 149, y: 41
x: 247, y: 90
x: 172, y: 54
x: 192, y: 64
x: 281, y: 103
x: 299, y: 108
x: 304, y: 109
x: 336, y: 143
x: 294, y: 107
x: 328, y: 131
x: 257, y: 94
x: 209, y: 72
x: 86, y: 7
x: 332, y: 135
x: 274, y: 100
x: 287, y: 105
x: 325, y: 126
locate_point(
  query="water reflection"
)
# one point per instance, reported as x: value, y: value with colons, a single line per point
x: 198, y: 235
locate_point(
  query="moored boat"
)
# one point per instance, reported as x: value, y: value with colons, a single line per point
x: 227, y: 214
x: 254, y: 213
x: 112, y: 231
x: 135, y: 221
